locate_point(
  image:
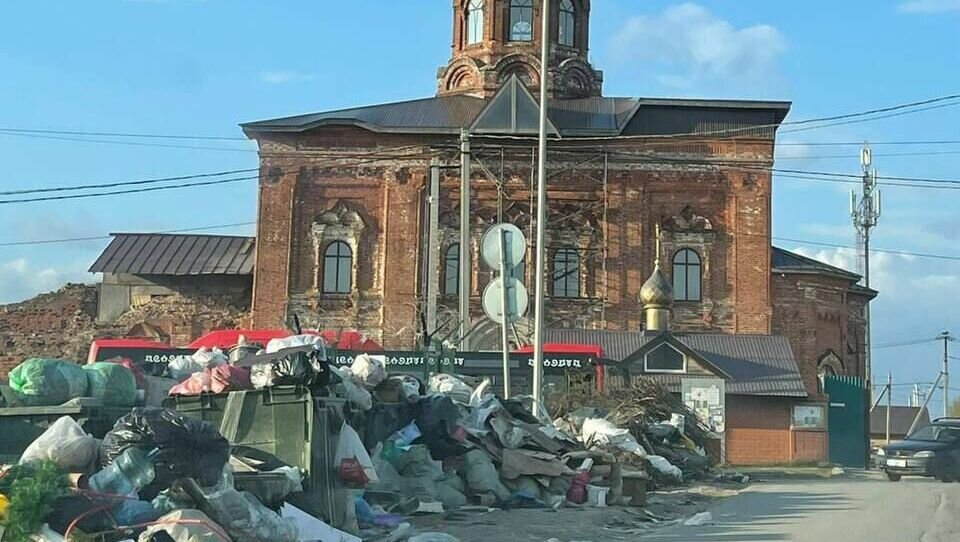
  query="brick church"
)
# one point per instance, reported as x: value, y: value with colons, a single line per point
x: 343, y: 204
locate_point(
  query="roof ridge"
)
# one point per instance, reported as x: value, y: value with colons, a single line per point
x: 815, y: 261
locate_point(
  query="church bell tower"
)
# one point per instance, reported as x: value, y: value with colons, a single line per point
x: 495, y: 39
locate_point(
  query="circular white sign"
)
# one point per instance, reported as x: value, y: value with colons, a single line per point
x: 517, y: 300
x: 490, y: 245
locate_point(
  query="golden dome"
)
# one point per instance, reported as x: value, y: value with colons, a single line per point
x: 657, y: 292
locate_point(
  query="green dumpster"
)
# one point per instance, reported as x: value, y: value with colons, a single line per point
x: 287, y: 422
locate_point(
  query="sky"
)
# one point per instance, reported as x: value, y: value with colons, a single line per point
x: 201, y: 67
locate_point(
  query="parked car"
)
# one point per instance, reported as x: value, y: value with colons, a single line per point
x: 932, y: 450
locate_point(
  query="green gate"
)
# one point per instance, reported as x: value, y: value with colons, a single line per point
x: 847, y: 420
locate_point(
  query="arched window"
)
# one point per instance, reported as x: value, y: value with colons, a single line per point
x: 568, y: 23
x: 566, y: 273
x: 686, y: 275
x: 451, y: 271
x: 474, y: 22
x: 337, y: 268
x: 521, y: 20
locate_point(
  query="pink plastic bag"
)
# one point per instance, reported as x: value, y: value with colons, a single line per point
x: 217, y: 380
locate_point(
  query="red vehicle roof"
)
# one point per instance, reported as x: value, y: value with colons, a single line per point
x: 228, y: 338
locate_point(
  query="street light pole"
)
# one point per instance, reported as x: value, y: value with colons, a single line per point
x: 541, y: 211
x: 947, y: 338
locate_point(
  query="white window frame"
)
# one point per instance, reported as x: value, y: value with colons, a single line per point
x: 647, y: 369
x: 475, y: 21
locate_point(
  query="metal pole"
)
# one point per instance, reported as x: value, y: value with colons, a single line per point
x: 926, y: 400
x: 889, y: 402
x: 433, y: 248
x: 946, y: 374
x: 506, y: 278
x: 465, y: 268
x: 541, y: 212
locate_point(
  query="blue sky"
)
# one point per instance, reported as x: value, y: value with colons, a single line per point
x: 202, y: 67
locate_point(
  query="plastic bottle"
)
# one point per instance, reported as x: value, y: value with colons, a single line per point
x: 129, y: 473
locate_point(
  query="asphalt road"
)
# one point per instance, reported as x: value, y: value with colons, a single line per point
x: 852, y: 508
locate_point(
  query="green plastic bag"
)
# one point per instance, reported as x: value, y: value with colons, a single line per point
x: 47, y: 382
x: 111, y: 382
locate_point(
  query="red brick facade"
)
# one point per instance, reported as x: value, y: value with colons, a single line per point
x: 759, y: 432
x: 823, y: 317
x: 611, y: 225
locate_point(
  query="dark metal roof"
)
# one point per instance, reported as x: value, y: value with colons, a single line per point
x: 901, y: 418
x: 784, y: 261
x: 757, y: 364
x: 445, y: 114
x: 572, y: 117
x: 172, y: 254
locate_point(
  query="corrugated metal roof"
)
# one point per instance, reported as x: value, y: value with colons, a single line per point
x: 172, y: 254
x: 572, y: 117
x: 901, y: 418
x: 784, y: 261
x: 757, y: 364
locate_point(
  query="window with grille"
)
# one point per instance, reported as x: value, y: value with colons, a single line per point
x: 337, y: 268
x: 687, y: 269
x: 568, y: 23
x: 566, y: 273
x: 521, y: 20
x: 474, y: 22
x: 451, y: 271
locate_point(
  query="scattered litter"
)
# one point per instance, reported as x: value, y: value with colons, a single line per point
x: 313, y: 529
x: 66, y: 444
x: 703, y: 518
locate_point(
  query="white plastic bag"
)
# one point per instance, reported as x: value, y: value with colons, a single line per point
x: 369, y: 370
x: 665, y: 467
x: 602, y: 432
x: 351, y: 446
x: 66, y: 444
x: 452, y: 387
x: 350, y: 390
x: 186, y: 526
x: 293, y: 341
x: 243, y: 516
x: 182, y: 367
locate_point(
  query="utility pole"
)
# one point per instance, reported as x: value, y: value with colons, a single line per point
x: 433, y: 248
x: 915, y: 397
x: 947, y: 338
x: 865, y: 215
x: 541, y: 212
x: 889, y: 402
x: 465, y: 268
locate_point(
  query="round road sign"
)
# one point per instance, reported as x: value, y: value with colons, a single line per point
x: 515, y: 249
x: 517, y: 300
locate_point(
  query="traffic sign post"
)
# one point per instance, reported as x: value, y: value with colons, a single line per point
x: 505, y: 298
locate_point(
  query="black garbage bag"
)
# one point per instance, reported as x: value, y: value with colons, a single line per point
x: 438, y: 419
x: 188, y: 447
x: 297, y: 366
x: 662, y: 433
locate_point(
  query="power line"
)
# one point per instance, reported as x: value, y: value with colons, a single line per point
x: 129, y: 191
x: 125, y: 183
x: 855, y: 157
x: 102, y: 237
x: 872, y: 118
x: 362, y: 159
x: 911, y: 342
x: 879, y: 250
x: 860, y: 143
x: 122, y: 134
x: 126, y: 143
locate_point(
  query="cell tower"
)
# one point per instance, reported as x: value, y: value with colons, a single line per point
x: 866, y: 214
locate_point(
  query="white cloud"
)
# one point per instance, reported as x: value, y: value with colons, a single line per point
x: 19, y: 280
x: 694, y: 49
x: 281, y: 77
x: 929, y: 6
x: 937, y: 283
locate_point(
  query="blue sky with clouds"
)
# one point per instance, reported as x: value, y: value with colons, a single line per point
x: 203, y: 66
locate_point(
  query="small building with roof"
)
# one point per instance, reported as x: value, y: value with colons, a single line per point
x: 139, y: 268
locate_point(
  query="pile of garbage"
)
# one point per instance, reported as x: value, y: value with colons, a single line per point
x: 391, y: 447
